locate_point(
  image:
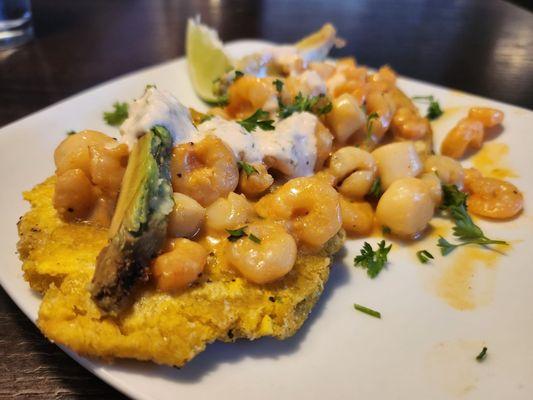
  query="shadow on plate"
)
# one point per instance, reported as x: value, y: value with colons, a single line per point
x: 219, y: 353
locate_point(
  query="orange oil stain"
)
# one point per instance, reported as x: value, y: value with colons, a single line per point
x: 468, y: 281
x: 491, y: 161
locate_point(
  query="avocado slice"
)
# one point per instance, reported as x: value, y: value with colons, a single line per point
x: 139, y: 225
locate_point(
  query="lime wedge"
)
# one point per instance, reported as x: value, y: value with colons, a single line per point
x: 206, y: 58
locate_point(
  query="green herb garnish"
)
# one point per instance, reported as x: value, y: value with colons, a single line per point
x: 434, y: 110
x: 366, y: 310
x: 375, y: 190
x: 454, y: 203
x: 481, y: 356
x: 220, y: 101
x: 254, y: 238
x: 247, y: 168
x: 118, y: 115
x: 318, y: 105
x: 279, y: 85
x: 238, y: 74
x: 373, y: 260
x: 424, y: 256
x: 369, y: 122
x: 258, y: 119
x: 385, y: 230
x: 236, y: 234
x: 70, y: 133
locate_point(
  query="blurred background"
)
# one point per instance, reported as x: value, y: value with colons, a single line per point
x: 479, y: 46
x: 483, y: 47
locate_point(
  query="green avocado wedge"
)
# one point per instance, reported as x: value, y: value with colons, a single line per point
x: 139, y: 225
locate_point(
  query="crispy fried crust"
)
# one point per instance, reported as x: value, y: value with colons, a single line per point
x: 167, y: 329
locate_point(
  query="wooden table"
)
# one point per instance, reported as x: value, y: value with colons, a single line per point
x: 483, y: 47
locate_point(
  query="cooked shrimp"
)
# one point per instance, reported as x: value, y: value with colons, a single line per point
x: 310, y: 207
x: 381, y: 104
x: 324, y: 143
x: 448, y: 170
x: 180, y: 267
x: 249, y: 93
x: 107, y: 166
x: 74, y: 195
x: 354, y: 170
x: 494, y: 198
x: 73, y: 152
x: 489, y: 117
x: 407, y: 124
x: 257, y: 182
x: 468, y: 133
x: 266, y: 258
x: 205, y: 170
x: 229, y: 213
x: 357, y: 216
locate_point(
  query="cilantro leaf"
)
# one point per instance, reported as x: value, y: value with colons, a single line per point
x: 318, y: 105
x: 434, y: 111
x: 118, y: 115
x: 257, y: 119
x: 424, y: 256
x: 373, y: 260
x: 254, y: 238
x: 454, y: 204
x: 375, y: 190
x: 247, y: 168
x: 236, y: 234
x: 279, y: 85
x: 481, y: 356
x: 369, y: 122
x: 366, y: 310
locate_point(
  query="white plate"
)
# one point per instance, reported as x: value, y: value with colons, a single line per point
x: 422, y: 348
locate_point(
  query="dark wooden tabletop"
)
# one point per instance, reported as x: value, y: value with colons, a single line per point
x: 483, y: 47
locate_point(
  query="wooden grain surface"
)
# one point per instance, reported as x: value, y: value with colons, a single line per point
x: 483, y: 47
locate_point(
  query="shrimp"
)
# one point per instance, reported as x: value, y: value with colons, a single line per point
x: 448, y: 170
x: 309, y: 206
x: 407, y: 124
x: 257, y: 182
x: 381, y: 104
x: 324, y: 143
x: 494, y: 198
x: 357, y: 216
x: 489, y: 117
x: 249, y: 93
x: 205, y: 170
x: 229, y: 213
x: 468, y: 133
x: 74, y: 195
x: 179, y: 267
x: 354, y: 170
x: 266, y: 258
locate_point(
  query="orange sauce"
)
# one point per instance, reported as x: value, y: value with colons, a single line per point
x: 460, y: 286
x: 491, y: 161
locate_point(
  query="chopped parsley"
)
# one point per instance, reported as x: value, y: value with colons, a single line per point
x: 366, y: 310
x: 71, y: 132
x: 279, y: 85
x: 376, y: 190
x: 424, y: 256
x: 220, y: 101
x: 481, y: 356
x: 257, y: 119
x: 150, y: 86
x: 247, y: 168
x: 369, y: 122
x: 385, y: 230
x: 454, y: 203
x: 238, y: 74
x: 236, y: 234
x: 254, y: 238
x: 373, y: 260
x: 434, y: 111
x: 118, y: 115
x: 318, y: 105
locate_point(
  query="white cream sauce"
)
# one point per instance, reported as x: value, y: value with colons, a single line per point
x: 291, y: 145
